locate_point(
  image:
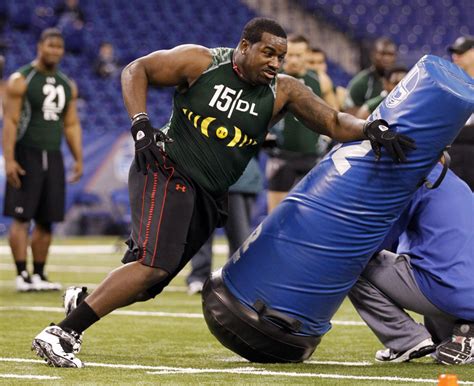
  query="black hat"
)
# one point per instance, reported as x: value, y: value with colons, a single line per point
x: 461, y: 45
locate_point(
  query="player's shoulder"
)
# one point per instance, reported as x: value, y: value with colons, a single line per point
x: 220, y: 56
x: 68, y: 80
x: 360, y: 78
x: 288, y: 87
x: 17, y: 83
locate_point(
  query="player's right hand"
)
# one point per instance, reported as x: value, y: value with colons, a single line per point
x: 147, y: 153
x: 13, y: 171
x: 395, y: 144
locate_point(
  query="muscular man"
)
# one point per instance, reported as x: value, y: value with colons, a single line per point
x: 225, y: 101
x: 40, y: 105
x: 316, y: 61
x: 430, y: 274
x: 391, y: 78
x: 367, y: 84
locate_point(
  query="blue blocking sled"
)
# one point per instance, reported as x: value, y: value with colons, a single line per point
x: 275, y: 298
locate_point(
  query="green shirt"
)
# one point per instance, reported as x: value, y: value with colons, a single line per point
x: 291, y: 133
x: 373, y: 103
x: 218, y: 124
x: 366, y: 85
x: 44, y: 105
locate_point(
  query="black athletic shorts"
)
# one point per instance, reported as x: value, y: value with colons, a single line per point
x: 42, y: 192
x: 283, y: 172
x: 172, y: 217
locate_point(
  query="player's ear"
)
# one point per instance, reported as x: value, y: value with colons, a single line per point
x: 244, y: 46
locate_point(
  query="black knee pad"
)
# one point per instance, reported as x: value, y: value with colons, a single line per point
x: 247, y: 333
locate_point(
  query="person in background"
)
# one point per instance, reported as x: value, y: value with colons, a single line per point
x: 297, y: 149
x: 367, y: 84
x: 106, y: 64
x: 462, y: 149
x: 430, y: 273
x: 69, y: 12
x: 316, y: 62
x: 40, y: 107
x: 391, y: 78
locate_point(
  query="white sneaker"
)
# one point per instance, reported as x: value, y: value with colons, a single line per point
x: 195, y: 287
x: 420, y: 350
x: 39, y: 283
x: 56, y: 347
x: 23, y: 282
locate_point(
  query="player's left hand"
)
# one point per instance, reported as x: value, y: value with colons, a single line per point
x: 379, y: 134
x: 76, y: 172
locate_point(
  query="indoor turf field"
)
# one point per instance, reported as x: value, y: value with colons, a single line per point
x: 166, y: 341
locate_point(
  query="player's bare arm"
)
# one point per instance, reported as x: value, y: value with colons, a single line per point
x: 180, y: 66
x: 298, y: 99
x: 15, y: 91
x: 73, y: 135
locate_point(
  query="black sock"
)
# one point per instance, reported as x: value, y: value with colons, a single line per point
x: 20, y: 266
x: 80, y: 319
x: 38, y: 268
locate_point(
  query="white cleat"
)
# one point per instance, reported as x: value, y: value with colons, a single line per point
x: 23, y: 282
x: 56, y: 347
x: 39, y: 283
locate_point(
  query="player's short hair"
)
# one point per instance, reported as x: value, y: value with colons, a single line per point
x: 317, y: 50
x: 383, y: 42
x: 50, y: 33
x: 392, y: 70
x: 255, y: 28
x: 296, y: 38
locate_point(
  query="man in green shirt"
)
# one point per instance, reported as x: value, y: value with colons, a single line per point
x: 297, y: 148
x: 391, y: 78
x: 367, y: 84
x: 40, y: 106
x: 225, y: 101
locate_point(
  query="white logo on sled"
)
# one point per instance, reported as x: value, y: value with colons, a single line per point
x: 403, y: 89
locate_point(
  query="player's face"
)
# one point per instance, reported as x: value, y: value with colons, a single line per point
x: 295, y: 60
x: 316, y: 61
x: 384, y: 56
x: 51, y: 51
x: 263, y: 59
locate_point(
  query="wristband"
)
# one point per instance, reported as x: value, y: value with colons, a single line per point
x: 139, y: 116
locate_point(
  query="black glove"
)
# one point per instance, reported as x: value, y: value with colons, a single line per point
x: 147, y: 151
x: 380, y: 135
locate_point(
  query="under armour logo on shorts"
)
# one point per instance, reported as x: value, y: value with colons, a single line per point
x: 181, y: 187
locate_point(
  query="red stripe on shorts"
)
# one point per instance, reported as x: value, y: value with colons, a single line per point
x: 150, y: 214
x: 143, y: 208
x: 162, y: 210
